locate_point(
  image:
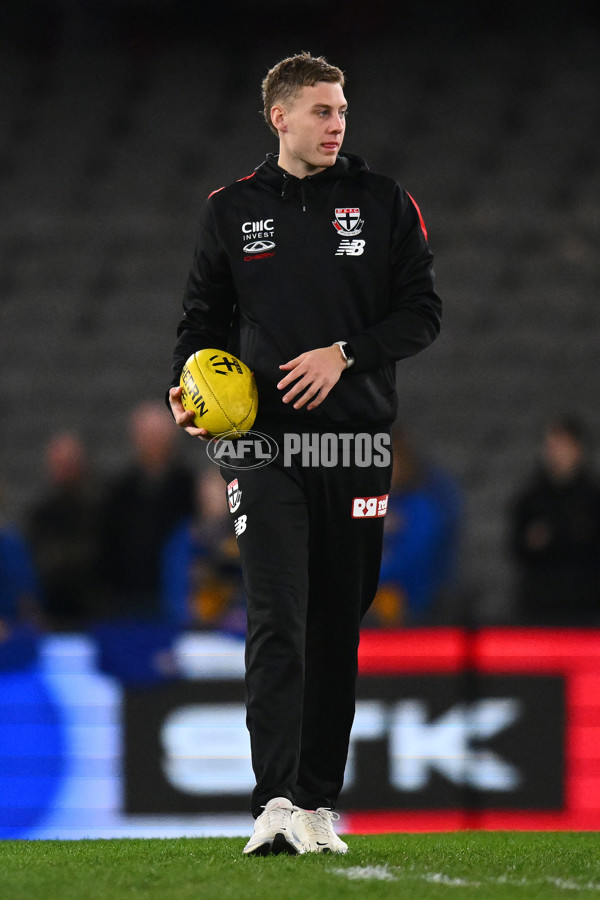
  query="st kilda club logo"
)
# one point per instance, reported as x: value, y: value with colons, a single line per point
x: 347, y: 221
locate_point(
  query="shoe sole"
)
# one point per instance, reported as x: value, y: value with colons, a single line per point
x: 279, y: 845
x: 320, y: 849
x: 282, y: 845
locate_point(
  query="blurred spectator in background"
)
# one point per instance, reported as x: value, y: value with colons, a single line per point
x: 143, y: 505
x: 555, y: 532
x: 63, y: 531
x: 418, y: 582
x: 202, y: 576
x: 20, y: 614
x: 19, y: 599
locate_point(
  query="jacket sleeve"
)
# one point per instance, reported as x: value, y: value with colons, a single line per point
x: 209, y: 297
x: 415, y: 310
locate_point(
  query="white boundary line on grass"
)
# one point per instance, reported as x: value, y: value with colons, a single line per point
x: 366, y: 873
x: 396, y: 873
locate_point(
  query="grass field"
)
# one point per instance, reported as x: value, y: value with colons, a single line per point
x: 520, y: 865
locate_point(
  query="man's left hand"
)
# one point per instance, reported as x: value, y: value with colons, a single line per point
x: 313, y: 373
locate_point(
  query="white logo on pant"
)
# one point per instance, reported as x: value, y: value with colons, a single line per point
x: 234, y: 495
x: 369, y: 507
x: 351, y: 248
x: 240, y: 525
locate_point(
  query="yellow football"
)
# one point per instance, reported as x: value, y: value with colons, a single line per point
x: 220, y: 389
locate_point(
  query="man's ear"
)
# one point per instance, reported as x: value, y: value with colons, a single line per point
x: 278, y: 118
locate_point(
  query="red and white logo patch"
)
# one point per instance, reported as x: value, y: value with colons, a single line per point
x: 369, y: 507
x: 234, y: 495
x: 348, y: 221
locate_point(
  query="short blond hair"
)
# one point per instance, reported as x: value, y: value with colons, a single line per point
x: 284, y: 80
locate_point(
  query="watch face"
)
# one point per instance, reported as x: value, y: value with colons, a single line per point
x: 346, y: 352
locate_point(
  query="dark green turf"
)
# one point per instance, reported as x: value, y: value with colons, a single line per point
x: 520, y: 865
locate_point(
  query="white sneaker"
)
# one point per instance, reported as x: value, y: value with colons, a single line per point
x: 315, y: 830
x: 273, y: 831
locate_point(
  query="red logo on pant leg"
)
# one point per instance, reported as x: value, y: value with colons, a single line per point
x: 369, y: 507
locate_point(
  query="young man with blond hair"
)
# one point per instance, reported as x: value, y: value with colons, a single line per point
x: 317, y: 273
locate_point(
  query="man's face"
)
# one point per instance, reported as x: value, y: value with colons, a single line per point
x: 311, y: 128
x: 563, y: 455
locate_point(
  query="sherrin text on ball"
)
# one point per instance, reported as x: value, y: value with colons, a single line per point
x: 221, y: 392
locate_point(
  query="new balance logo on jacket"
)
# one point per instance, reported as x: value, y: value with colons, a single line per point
x: 351, y: 248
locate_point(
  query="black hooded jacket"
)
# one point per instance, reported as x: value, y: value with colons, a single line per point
x: 284, y: 265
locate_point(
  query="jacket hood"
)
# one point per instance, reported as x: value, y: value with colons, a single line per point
x: 272, y: 176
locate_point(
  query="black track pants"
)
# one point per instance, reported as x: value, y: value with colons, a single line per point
x: 310, y: 573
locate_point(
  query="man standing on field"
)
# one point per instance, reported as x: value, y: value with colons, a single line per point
x: 318, y: 275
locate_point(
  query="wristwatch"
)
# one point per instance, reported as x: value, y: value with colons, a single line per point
x: 347, y: 353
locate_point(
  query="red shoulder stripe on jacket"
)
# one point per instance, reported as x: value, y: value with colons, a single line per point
x: 421, y: 219
x: 245, y: 178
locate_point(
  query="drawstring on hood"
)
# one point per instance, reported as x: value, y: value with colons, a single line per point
x: 303, y: 193
x: 292, y: 187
